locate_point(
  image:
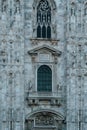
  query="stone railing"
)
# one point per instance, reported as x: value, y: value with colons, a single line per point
x: 36, y: 98
x: 44, y: 94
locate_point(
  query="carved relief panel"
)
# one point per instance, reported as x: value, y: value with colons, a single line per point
x: 44, y: 120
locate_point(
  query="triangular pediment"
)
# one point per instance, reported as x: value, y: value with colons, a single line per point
x: 44, y: 47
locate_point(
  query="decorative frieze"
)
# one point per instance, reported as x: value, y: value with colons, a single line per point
x: 39, y: 41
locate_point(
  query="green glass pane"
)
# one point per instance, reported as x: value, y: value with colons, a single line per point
x: 44, y: 79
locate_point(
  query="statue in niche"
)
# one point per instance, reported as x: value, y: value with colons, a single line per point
x: 85, y: 10
x: 0, y: 82
x: 73, y: 13
x: 29, y: 87
x: 85, y: 26
x: 54, y: 28
x: 73, y: 9
x: 4, y: 16
x: 17, y: 10
x: 4, y: 5
x: 17, y: 17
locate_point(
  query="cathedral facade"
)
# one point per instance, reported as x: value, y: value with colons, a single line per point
x: 43, y: 64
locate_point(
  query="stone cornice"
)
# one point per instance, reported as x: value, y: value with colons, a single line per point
x: 36, y: 41
x: 54, y: 51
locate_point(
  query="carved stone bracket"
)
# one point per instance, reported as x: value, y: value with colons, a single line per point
x: 33, y: 101
x: 57, y: 102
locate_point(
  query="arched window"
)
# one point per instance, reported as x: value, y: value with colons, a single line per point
x: 48, y: 32
x: 44, y: 79
x: 39, y: 31
x: 43, y: 31
x: 43, y: 19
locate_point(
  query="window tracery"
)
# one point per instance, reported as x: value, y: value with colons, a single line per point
x: 43, y: 20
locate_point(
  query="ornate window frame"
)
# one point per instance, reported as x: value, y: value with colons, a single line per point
x: 51, y: 63
x: 53, y: 19
x: 43, y: 19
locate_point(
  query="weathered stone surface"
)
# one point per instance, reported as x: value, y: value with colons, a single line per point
x: 66, y: 55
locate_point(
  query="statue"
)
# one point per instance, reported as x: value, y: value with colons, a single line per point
x: 4, y: 5
x: 17, y: 7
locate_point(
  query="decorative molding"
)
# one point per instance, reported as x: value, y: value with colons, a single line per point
x: 36, y: 41
x: 56, y: 114
x: 54, y: 51
x: 51, y: 2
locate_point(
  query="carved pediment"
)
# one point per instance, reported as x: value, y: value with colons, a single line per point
x: 45, y: 113
x: 45, y: 119
x: 44, y: 48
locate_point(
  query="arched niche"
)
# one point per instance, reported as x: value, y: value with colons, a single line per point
x: 73, y: 9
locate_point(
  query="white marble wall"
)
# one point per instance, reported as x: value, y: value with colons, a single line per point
x: 17, y: 28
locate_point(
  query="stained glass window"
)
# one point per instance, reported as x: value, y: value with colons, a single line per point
x: 43, y: 20
x: 44, y: 79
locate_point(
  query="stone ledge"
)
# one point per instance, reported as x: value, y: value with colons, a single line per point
x: 36, y: 41
x: 48, y: 98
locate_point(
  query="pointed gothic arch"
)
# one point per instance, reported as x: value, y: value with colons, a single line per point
x: 43, y: 19
x: 51, y: 2
x: 43, y: 13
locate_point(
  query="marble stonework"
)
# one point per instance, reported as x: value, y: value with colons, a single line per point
x: 22, y: 107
